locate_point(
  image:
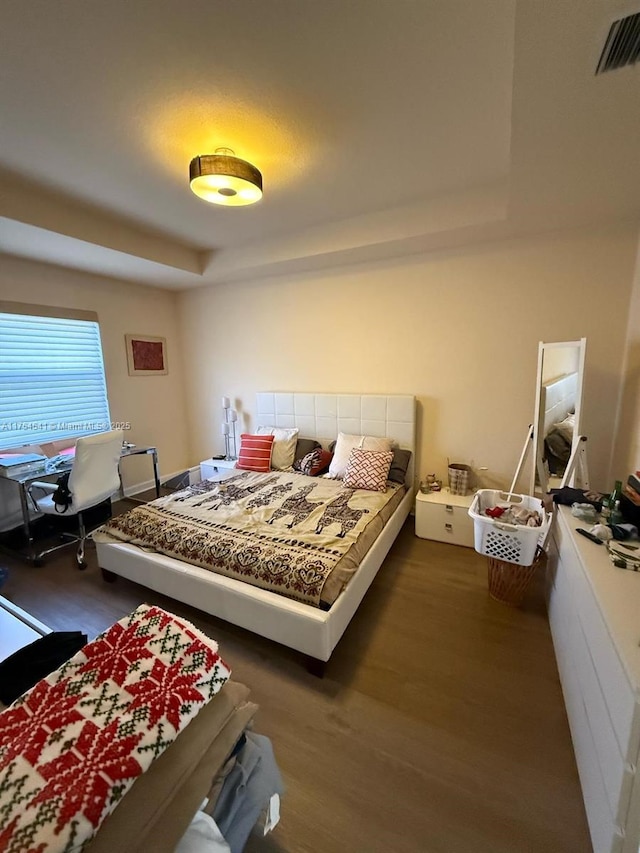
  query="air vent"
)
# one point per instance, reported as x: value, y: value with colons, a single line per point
x: 622, y: 46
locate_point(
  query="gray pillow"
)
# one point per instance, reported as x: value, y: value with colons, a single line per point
x: 399, y: 465
x: 304, y: 446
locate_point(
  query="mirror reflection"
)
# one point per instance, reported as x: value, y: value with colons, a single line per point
x: 557, y: 424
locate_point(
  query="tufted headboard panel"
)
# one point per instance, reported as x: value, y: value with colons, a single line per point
x: 323, y: 416
x: 559, y: 398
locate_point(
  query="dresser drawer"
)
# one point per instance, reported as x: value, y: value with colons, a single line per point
x: 614, y: 683
x: 572, y: 655
x: 439, y: 518
x: 617, y: 774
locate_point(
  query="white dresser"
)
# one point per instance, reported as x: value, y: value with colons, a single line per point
x: 594, y: 612
x: 445, y: 517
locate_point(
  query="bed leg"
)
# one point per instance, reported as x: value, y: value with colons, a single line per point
x: 316, y: 667
x: 108, y: 577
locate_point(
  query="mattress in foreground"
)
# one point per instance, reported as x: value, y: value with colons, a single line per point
x: 72, y: 746
x: 301, y: 537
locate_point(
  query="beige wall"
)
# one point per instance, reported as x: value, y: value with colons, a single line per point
x: 154, y: 405
x: 558, y: 362
x: 458, y: 329
x: 627, y: 452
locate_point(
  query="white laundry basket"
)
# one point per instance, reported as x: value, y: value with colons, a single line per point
x: 512, y: 543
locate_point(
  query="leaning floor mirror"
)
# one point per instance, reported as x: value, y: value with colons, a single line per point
x: 557, y: 427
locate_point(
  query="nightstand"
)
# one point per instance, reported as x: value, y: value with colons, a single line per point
x: 444, y: 517
x: 217, y: 469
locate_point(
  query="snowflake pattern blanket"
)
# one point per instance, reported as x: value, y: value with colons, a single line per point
x: 279, y: 531
x: 73, y: 745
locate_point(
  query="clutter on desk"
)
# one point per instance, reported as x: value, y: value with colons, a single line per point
x: 9, y: 459
x: 17, y: 464
x: 624, y: 556
x: 610, y: 512
x: 56, y: 462
x: 568, y: 496
x: 602, y: 532
x: 632, y: 488
x: 430, y: 484
x: 622, y: 532
x: 630, y: 500
x: 585, y: 512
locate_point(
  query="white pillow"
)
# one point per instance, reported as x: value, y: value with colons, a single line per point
x: 284, y: 446
x: 345, y: 444
x: 566, y: 427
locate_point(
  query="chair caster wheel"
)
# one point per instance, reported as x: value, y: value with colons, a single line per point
x: 82, y: 564
x: 38, y: 563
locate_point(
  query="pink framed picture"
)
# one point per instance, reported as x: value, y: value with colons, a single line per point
x: 146, y: 355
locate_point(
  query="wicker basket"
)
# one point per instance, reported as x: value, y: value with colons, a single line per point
x: 508, y: 582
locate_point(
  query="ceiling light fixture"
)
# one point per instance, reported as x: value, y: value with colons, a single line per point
x: 223, y: 178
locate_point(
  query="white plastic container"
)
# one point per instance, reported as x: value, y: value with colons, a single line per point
x: 513, y: 543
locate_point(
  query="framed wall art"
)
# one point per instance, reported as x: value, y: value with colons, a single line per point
x: 146, y: 355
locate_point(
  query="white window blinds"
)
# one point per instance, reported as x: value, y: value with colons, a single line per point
x: 52, y: 383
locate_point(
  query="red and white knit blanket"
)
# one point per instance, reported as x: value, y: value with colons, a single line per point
x: 72, y: 746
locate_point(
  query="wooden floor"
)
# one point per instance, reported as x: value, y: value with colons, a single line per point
x: 438, y: 728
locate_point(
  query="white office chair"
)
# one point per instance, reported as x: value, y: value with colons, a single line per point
x: 94, y: 477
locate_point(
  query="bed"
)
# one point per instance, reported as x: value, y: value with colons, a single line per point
x: 557, y: 416
x: 308, y: 629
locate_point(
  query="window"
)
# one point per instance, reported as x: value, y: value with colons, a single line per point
x: 52, y: 383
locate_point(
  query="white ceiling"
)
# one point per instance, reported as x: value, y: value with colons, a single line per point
x: 381, y: 127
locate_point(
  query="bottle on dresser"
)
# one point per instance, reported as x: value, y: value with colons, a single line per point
x: 616, y: 514
x: 610, y: 513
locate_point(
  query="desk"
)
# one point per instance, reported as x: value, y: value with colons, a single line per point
x: 148, y: 451
x: 23, y: 481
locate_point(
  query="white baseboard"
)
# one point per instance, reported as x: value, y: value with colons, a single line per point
x: 194, y: 477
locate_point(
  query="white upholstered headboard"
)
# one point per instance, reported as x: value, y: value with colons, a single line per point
x: 557, y: 400
x: 323, y: 416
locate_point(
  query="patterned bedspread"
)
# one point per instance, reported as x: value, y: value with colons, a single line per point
x: 282, y: 532
x: 72, y: 746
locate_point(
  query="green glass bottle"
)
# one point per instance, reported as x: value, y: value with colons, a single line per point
x: 609, y: 503
x: 616, y: 514
x: 616, y: 494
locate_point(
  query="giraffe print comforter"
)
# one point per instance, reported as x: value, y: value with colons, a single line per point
x: 284, y: 532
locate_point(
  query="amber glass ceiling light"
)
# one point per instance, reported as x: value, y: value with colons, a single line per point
x: 222, y: 178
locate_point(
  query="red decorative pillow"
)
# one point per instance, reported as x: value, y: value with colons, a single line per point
x: 313, y: 463
x: 324, y: 460
x: 368, y: 469
x: 255, y: 453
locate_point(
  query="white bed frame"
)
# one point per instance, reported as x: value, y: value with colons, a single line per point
x: 309, y: 630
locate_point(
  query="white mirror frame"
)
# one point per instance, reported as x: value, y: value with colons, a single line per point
x: 538, y: 421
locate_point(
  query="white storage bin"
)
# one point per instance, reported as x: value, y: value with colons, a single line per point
x: 513, y: 543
